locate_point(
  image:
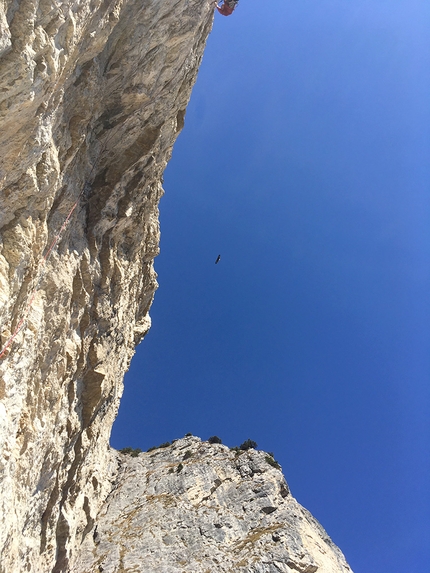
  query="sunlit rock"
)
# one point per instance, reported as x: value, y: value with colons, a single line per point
x: 93, y: 95
x: 195, y: 507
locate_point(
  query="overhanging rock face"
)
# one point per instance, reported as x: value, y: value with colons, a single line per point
x: 93, y: 95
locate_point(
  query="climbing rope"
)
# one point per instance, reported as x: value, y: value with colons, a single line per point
x: 43, y: 262
x: 87, y: 185
x: 4, y: 351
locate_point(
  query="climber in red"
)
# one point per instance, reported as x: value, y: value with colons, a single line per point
x: 227, y: 7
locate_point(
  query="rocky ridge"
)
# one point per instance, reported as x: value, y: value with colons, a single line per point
x: 195, y: 507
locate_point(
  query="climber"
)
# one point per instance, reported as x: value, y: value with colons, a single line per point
x: 217, y: 259
x: 227, y: 7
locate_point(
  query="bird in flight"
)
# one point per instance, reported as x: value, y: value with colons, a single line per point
x: 217, y: 259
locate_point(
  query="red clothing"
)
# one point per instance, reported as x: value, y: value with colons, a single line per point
x: 225, y: 9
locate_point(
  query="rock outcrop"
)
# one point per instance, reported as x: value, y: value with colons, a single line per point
x: 93, y: 94
x: 196, y: 507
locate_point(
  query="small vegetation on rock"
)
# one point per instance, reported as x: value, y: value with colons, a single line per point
x: 271, y: 460
x: 187, y: 455
x: 131, y: 452
x: 179, y: 468
x: 214, y: 440
x: 188, y: 435
x: 248, y: 445
x: 163, y: 445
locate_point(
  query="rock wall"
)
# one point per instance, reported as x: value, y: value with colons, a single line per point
x: 196, y: 507
x: 93, y: 94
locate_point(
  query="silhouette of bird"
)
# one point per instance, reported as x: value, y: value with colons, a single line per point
x: 217, y: 259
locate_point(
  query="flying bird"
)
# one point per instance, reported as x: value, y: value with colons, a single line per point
x: 217, y: 259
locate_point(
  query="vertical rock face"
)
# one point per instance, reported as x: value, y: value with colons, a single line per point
x: 92, y: 97
x: 93, y: 94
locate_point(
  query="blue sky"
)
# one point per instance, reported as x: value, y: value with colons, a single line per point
x: 304, y: 162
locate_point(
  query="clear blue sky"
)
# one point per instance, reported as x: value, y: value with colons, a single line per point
x: 305, y: 163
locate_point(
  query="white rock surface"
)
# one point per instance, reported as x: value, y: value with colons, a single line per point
x: 92, y: 96
x: 222, y: 512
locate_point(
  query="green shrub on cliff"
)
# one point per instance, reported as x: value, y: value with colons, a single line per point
x: 248, y: 445
x: 131, y: 452
x: 271, y: 461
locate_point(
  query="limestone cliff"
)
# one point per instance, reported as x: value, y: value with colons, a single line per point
x: 93, y: 94
x: 196, y: 507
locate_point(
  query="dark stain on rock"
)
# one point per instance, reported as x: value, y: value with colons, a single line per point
x: 141, y: 147
x: 269, y: 509
x: 112, y: 117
